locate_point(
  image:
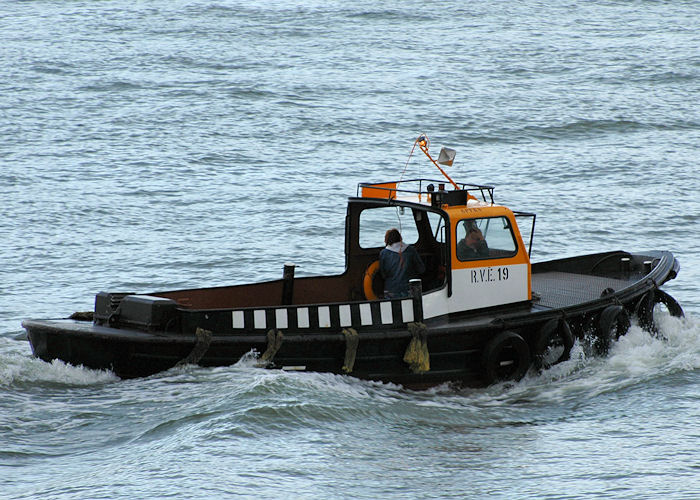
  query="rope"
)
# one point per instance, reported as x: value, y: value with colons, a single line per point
x: 410, y: 155
x: 200, y: 348
x: 421, y: 137
x: 351, y: 341
x: 274, y: 342
x: 417, y: 355
x: 82, y: 316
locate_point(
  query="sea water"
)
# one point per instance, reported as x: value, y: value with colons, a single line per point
x: 157, y: 145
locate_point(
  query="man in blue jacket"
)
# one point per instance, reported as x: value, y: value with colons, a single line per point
x: 398, y: 263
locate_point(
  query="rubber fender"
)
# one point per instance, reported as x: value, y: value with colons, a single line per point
x: 644, y: 310
x: 554, y: 336
x: 674, y: 308
x: 369, y: 284
x: 505, y: 357
x: 613, y: 322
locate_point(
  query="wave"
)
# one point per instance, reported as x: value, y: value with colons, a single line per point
x: 54, y: 68
x: 661, y: 77
x: 273, y: 399
x: 637, y: 358
x: 392, y: 15
x: 579, y: 129
x: 18, y: 370
x: 112, y: 86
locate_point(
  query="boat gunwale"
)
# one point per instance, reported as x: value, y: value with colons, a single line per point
x: 523, y: 314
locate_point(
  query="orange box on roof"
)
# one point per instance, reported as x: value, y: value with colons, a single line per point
x: 384, y: 190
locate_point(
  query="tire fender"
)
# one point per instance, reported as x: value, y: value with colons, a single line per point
x: 505, y: 357
x: 644, y: 310
x: 674, y: 308
x: 613, y: 322
x: 554, y: 334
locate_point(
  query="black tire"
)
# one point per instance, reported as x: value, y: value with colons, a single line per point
x: 644, y: 310
x: 552, y: 344
x: 674, y: 308
x: 612, y: 324
x: 505, y: 357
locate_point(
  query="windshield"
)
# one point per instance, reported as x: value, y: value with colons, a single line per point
x: 485, y: 238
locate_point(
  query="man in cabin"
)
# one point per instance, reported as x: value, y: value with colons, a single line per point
x: 473, y: 245
x: 398, y: 262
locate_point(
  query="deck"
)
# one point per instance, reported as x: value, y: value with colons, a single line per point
x: 560, y: 289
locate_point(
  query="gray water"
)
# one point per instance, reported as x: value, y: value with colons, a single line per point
x: 158, y: 145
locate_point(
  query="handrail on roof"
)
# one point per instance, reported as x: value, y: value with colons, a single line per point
x: 389, y: 190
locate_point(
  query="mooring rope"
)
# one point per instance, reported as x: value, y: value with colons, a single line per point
x: 351, y: 342
x: 200, y: 348
x: 274, y: 342
x: 417, y: 355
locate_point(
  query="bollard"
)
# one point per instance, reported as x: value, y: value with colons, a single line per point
x: 287, y: 284
x: 625, y: 266
x: 416, y: 290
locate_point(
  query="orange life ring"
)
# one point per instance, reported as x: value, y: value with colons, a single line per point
x: 368, y: 283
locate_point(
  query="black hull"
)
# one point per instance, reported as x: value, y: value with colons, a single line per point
x: 573, y: 297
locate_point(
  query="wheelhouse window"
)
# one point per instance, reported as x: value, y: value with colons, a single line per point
x: 374, y: 223
x: 437, y: 226
x: 485, y: 238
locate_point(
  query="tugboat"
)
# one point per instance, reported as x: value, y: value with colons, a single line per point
x: 472, y: 317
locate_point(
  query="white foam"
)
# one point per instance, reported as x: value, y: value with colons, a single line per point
x: 18, y: 368
x: 636, y: 357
